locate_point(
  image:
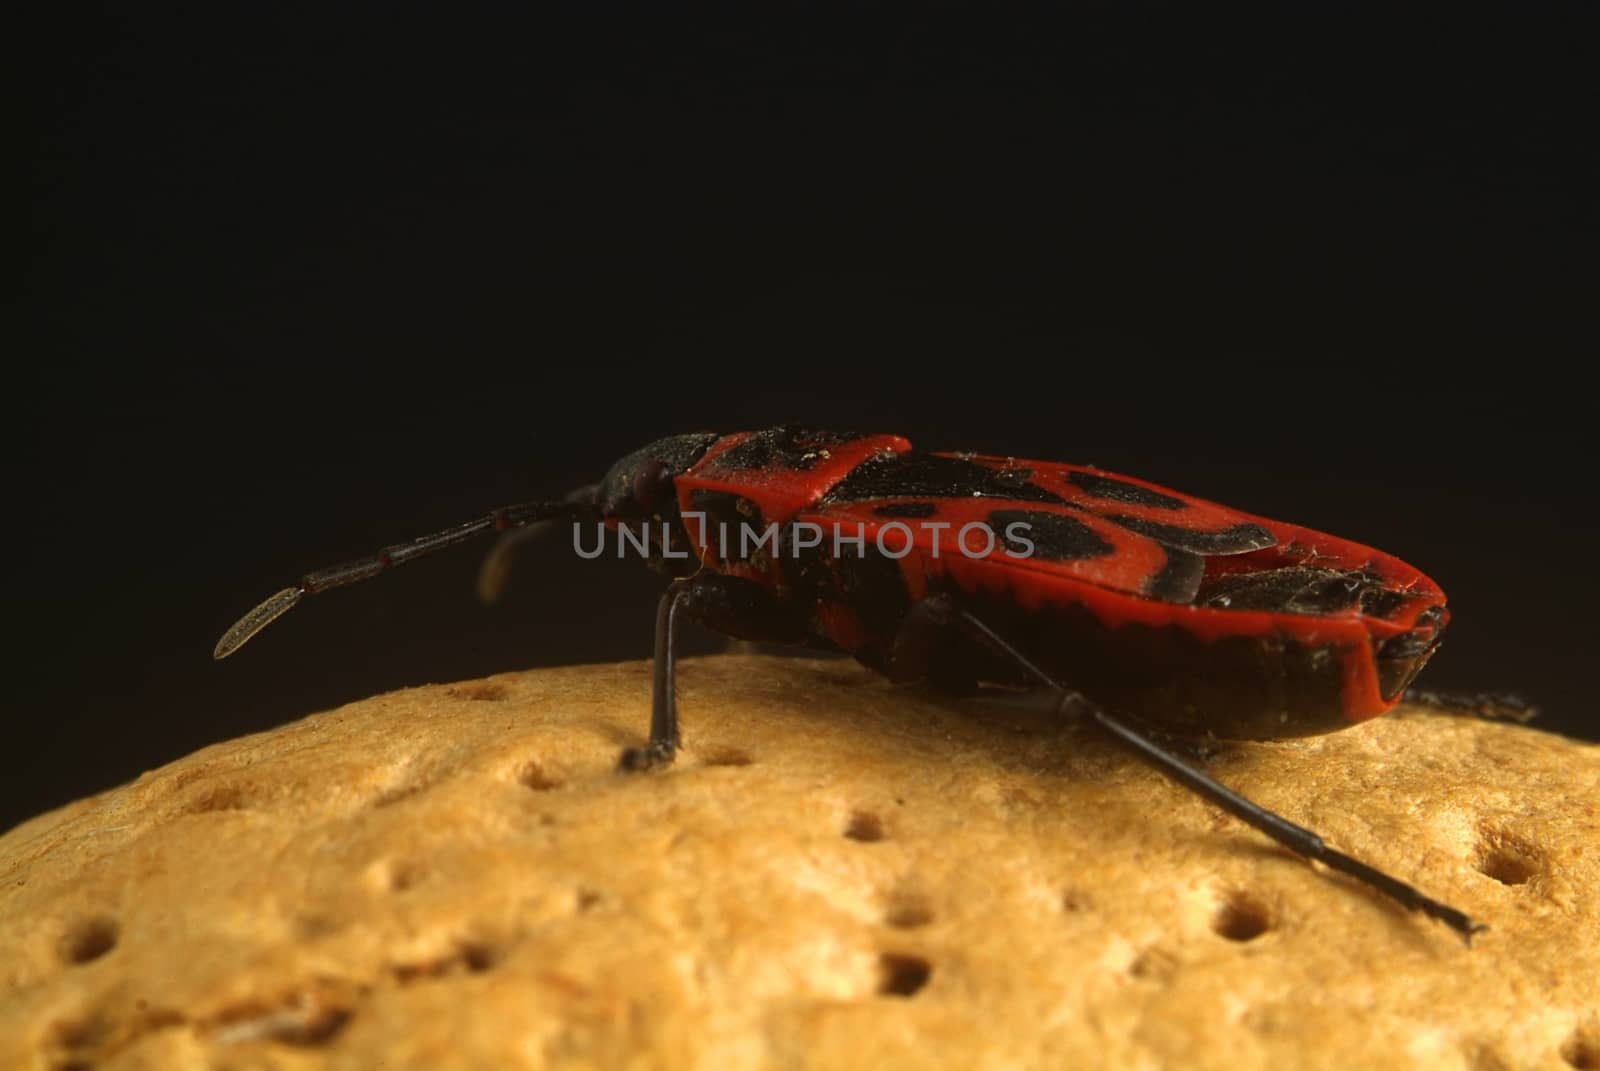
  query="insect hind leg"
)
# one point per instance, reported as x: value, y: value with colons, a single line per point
x: 943, y: 611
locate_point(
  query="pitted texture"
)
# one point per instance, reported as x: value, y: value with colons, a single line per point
x: 836, y: 873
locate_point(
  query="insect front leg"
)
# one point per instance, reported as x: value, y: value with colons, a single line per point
x: 740, y: 608
x: 943, y: 612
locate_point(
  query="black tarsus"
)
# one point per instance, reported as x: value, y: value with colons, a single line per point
x: 663, y: 686
x: 1296, y: 838
x: 731, y: 605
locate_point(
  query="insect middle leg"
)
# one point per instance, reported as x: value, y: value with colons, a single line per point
x: 942, y: 613
x: 739, y: 608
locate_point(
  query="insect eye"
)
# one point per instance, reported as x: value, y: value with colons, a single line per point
x: 650, y: 481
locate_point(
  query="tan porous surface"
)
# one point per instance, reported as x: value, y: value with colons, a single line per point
x: 837, y: 873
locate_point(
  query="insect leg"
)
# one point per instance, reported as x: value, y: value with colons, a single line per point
x: 663, y: 687
x: 738, y: 607
x: 1296, y: 838
x: 1491, y: 706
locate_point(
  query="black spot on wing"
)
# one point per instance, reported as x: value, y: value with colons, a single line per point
x: 1381, y: 602
x: 1298, y: 589
x: 1052, y: 537
x: 919, y: 474
x: 906, y: 509
x: 1234, y: 540
x: 1120, y: 491
x: 1179, y: 579
x: 1012, y: 478
x: 786, y: 447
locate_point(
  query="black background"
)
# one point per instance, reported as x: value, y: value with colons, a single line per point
x: 314, y: 279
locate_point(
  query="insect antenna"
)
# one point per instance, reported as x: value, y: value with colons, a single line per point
x: 334, y: 576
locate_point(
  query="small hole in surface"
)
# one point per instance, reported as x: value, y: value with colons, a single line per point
x: 901, y: 975
x: 403, y: 875
x: 1505, y: 868
x: 1506, y: 857
x: 1582, y: 1050
x: 478, y: 957
x: 89, y: 940
x: 535, y: 777
x: 1241, y: 918
x: 865, y: 827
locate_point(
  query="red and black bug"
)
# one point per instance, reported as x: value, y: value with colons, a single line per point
x: 1146, y: 611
